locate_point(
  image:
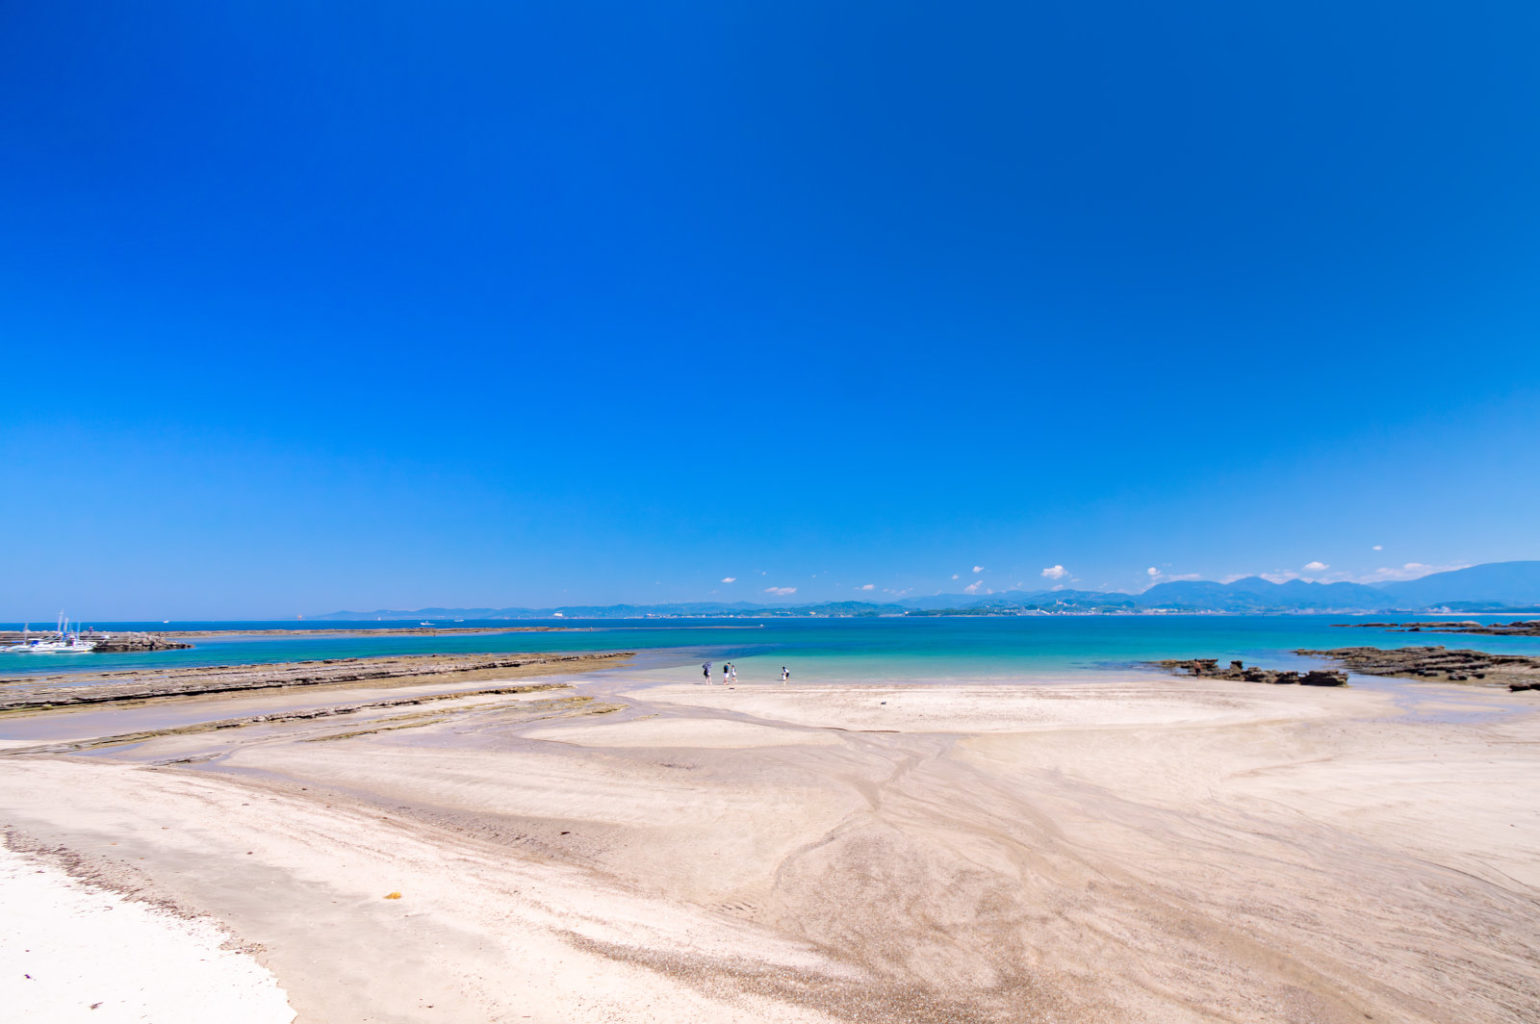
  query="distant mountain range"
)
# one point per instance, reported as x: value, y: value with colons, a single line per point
x: 1496, y: 586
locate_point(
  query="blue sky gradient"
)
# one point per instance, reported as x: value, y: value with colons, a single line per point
x: 479, y: 306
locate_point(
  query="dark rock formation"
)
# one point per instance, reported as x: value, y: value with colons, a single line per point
x: 1515, y: 671
x: 1208, y: 668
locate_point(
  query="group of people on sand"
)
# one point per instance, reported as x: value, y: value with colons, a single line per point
x: 730, y: 672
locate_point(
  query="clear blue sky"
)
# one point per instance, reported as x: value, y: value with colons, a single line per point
x: 512, y: 304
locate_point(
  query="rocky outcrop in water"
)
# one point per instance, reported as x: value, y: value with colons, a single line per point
x: 1522, y: 627
x: 1208, y: 668
x: 1515, y: 671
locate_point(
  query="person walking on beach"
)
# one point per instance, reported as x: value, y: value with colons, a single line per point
x: 785, y: 674
x: 732, y: 672
x: 706, y: 671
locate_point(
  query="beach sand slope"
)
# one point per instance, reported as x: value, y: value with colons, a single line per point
x: 1150, y: 850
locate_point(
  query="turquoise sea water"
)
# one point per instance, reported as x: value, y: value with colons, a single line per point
x: 879, y: 650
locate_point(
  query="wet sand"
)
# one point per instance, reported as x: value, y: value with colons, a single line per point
x: 631, y: 848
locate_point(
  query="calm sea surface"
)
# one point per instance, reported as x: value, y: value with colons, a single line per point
x: 878, y: 650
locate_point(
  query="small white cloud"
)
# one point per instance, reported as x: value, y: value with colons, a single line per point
x: 729, y: 579
x: 781, y: 591
x: 1316, y: 567
x: 1055, y: 572
x: 1152, y: 571
x: 1378, y: 547
x: 975, y: 587
x: 867, y: 586
x: 978, y: 568
x: 1278, y: 577
x: 954, y: 576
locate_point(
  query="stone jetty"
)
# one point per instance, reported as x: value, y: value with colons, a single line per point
x: 105, y: 643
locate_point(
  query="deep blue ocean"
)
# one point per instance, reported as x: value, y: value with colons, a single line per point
x: 874, y: 649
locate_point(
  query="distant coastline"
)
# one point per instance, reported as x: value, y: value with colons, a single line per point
x: 1491, y: 588
x: 876, y: 612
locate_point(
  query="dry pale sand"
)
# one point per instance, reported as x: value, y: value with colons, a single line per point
x: 1145, y: 850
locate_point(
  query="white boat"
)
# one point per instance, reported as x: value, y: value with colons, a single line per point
x: 24, y: 645
x: 38, y: 645
x: 64, y: 642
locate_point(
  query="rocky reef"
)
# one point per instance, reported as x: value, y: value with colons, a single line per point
x: 1520, y: 627
x: 1515, y: 671
x: 1208, y: 668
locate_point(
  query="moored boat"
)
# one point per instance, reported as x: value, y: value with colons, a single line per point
x: 63, y: 642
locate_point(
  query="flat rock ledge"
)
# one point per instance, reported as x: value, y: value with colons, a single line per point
x: 32, y: 693
x: 1515, y: 671
x: 1208, y: 668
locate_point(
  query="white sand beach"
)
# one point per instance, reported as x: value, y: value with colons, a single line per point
x: 1148, y: 850
x: 72, y: 952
